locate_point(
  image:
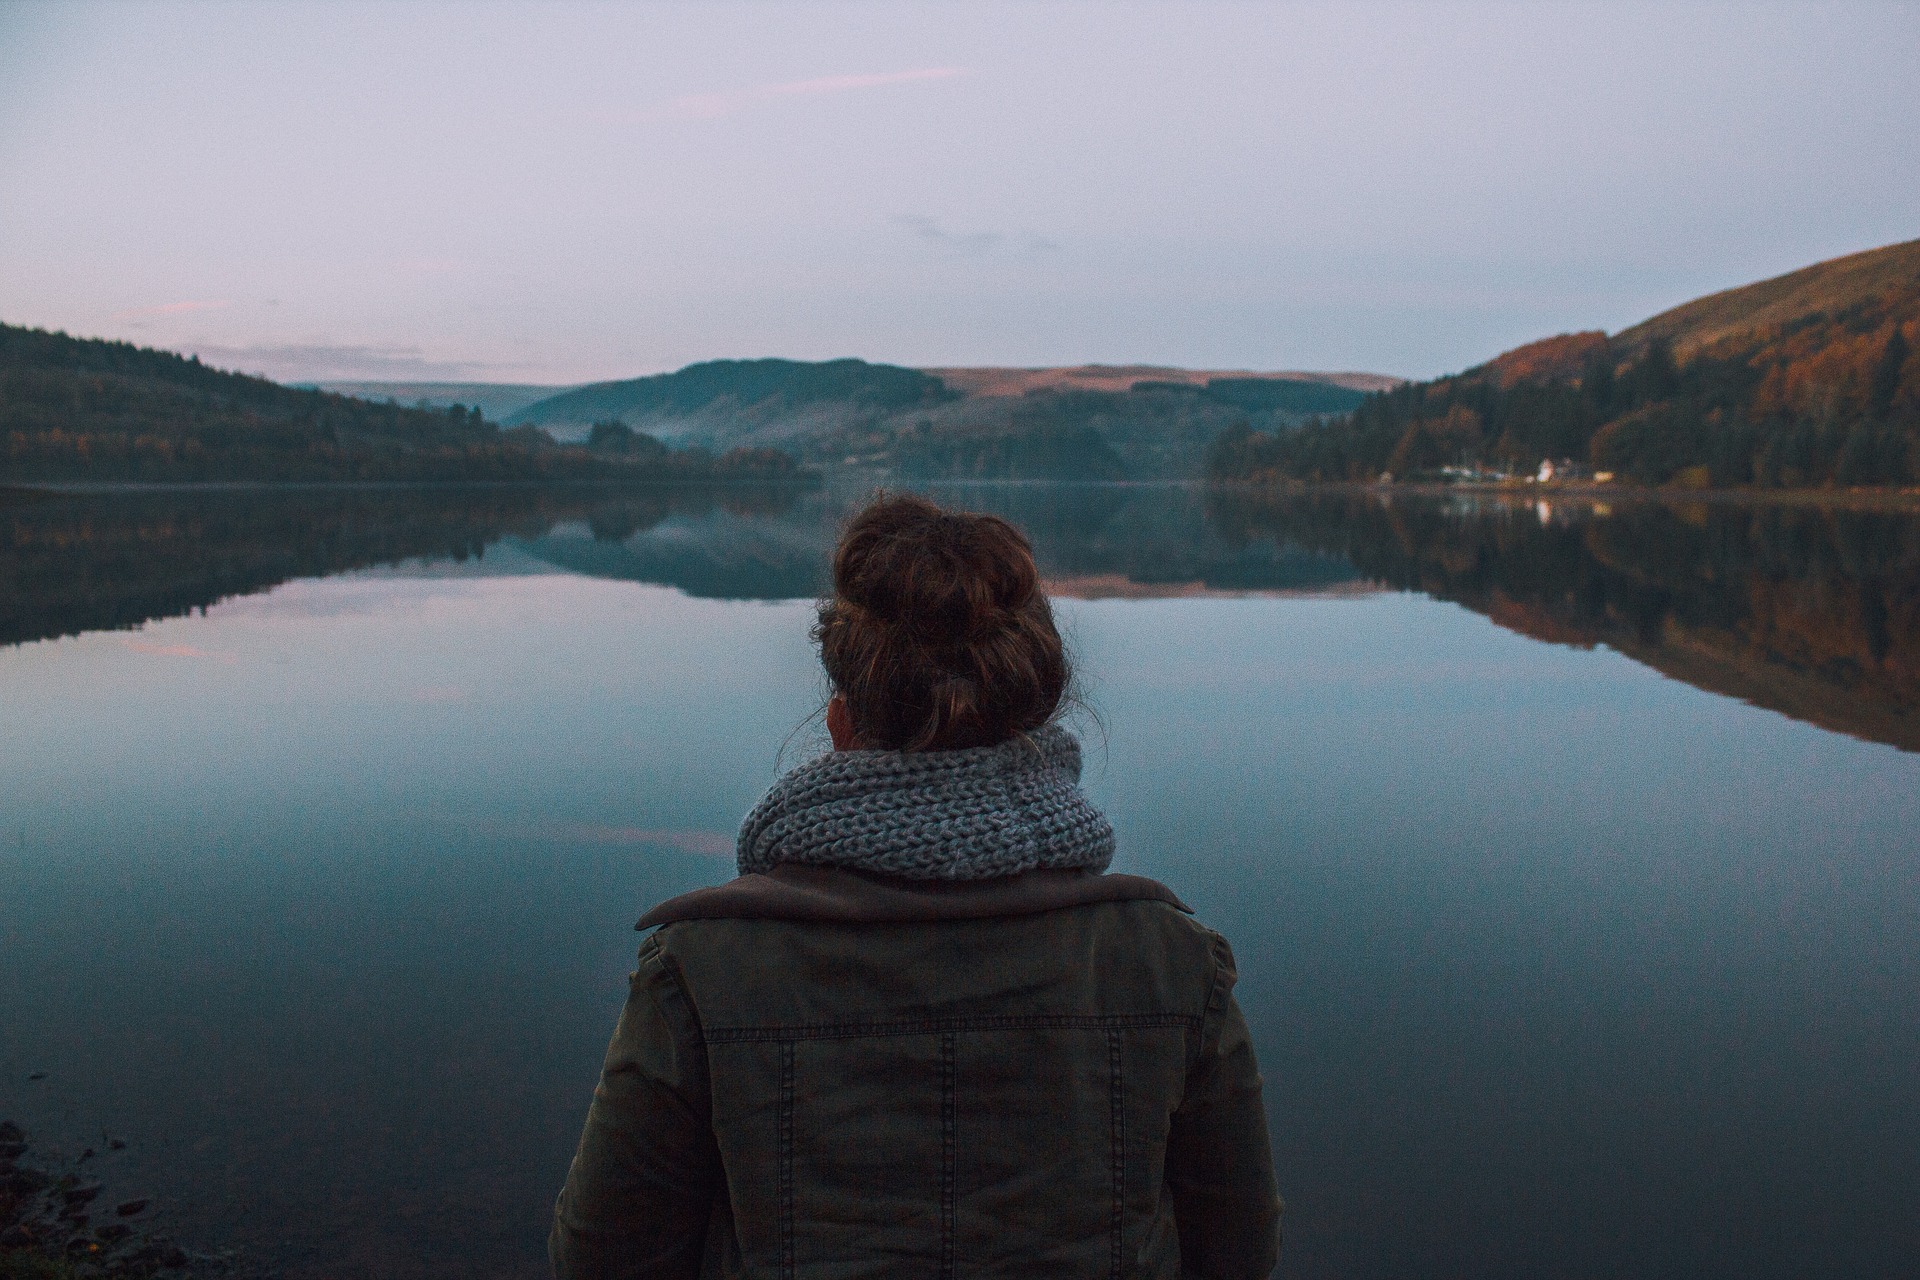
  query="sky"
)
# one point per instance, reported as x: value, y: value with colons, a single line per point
x: 563, y: 192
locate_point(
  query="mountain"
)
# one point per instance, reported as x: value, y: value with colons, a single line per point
x: 1087, y: 422
x: 1750, y: 313
x: 1810, y: 379
x: 767, y: 393
x: 998, y: 381
x: 83, y: 410
x: 494, y: 400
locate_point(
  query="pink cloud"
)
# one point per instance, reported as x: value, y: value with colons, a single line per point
x: 138, y: 645
x: 174, y: 309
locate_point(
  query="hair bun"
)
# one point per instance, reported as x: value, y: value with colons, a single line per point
x: 941, y: 575
x: 938, y: 634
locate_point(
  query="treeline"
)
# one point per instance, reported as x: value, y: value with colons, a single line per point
x: 84, y: 410
x: 1832, y: 399
x: 1153, y: 430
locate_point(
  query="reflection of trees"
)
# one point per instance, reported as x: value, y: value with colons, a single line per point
x: 82, y: 563
x: 1814, y: 612
x: 1152, y: 537
x: 78, y: 563
x: 1086, y: 537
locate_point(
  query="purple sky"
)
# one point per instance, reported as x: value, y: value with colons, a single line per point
x: 558, y: 192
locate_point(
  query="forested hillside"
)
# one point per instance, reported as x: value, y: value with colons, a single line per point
x: 1155, y: 430
x: 912, y: 424
x: 85, y: 410
x: 1810, y: 379
x: 684, y: 402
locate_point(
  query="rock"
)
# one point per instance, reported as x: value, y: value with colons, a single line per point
x: 81, y: 1193
x: 113, y: 1231
x: 116, y: 1144
x: 27, y: 1181
x: 36, y: 1075
x: 127, y: 1208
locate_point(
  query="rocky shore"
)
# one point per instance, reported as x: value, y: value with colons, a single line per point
x: 55, y: 1225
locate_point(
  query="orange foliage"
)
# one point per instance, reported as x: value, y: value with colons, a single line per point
x: 1557, y: 359
x: 1825, y: 371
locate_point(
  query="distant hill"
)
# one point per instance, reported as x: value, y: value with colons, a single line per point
x: 992, y: 381
x: 1809, y: 379
x: 79, y: 410
x: 1088, y: 422
x: 1752, y: 312
x: 764, y: 391
x: 495, y: 400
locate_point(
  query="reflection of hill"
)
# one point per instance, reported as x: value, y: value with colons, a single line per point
x: 1099, y: 539
x: 714, y: 555
x: 1154, y: 538
x: 70, y: 564
x: 1814, y: 613
x: 1810, y: 612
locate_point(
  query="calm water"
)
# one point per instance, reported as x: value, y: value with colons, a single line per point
x: 1569, y: 853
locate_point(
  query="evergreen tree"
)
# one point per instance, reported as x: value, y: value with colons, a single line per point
x: 1886, y: 375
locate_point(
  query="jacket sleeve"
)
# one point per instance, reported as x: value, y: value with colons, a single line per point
x: 1219, y: 1165
x: 643, y: 1181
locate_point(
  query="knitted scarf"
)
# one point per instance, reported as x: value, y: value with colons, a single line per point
x: 933, y: 815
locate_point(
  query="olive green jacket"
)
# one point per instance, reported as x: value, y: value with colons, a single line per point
x: 827, y: 1074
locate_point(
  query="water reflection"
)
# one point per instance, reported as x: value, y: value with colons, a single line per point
x: 1810, y: 611
x: 1813, y: 612
x: 323, y: 900
x: 76, y: 563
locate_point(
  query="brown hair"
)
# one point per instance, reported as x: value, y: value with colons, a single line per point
x: 938, y: 635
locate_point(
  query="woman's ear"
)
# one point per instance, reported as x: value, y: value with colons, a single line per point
x: 840, y: 724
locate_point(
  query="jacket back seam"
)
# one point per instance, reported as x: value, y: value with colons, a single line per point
x: 949, y: 1147
x: 789, y: 1261
x: 1117, y: 1135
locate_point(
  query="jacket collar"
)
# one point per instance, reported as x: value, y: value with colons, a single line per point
x: 840, y: 896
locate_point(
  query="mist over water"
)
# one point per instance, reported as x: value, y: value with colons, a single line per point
x: 1566, y: 850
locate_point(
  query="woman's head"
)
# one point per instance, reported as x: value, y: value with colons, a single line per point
x: 937, y: 635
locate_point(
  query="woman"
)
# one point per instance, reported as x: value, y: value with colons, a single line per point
x: 923, y: 1033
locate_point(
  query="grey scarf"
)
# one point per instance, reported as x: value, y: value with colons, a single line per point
x: 933, y: 815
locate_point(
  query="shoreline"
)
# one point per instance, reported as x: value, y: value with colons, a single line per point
x: 48, y: 1232
x: 1864, y: 498
x: 28, y: 489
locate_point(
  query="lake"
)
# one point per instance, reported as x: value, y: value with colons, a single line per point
x: 1570, y: 849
